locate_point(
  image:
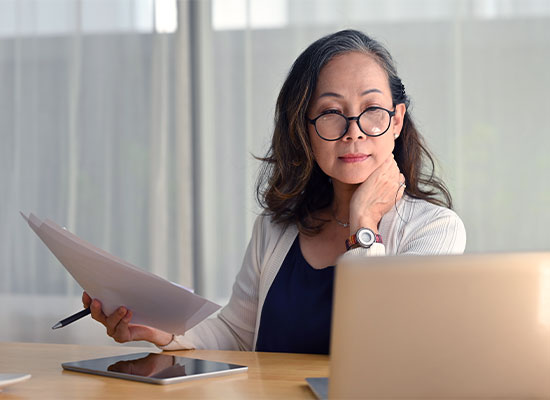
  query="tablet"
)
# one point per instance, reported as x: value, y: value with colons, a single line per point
x: 155, y: 368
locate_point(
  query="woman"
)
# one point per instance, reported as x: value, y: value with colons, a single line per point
x: 345, y: 174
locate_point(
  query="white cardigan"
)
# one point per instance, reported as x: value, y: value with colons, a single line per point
x: 419, y: 228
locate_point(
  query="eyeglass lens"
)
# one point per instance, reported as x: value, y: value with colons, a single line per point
x: 372, y: 122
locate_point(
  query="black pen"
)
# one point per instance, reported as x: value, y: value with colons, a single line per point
x: 72, y: 318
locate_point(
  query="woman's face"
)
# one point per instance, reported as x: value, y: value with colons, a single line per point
x: 350, y: 83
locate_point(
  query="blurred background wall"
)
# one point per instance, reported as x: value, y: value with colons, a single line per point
x: 134, y: 124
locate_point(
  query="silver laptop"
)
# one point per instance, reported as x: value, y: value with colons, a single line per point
x: 471, y: 326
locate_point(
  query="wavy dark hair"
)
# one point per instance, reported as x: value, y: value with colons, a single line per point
x: 291, y: 186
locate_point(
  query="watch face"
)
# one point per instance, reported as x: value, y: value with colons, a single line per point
x: 365, y: 237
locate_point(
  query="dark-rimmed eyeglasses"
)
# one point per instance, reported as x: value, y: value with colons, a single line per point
x: 333, y: 125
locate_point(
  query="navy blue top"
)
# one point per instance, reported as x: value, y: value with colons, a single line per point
x: 298, y: 307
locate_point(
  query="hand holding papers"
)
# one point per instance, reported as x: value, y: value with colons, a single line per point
x: 154, y: 301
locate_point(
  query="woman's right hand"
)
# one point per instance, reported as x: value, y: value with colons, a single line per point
x: 119, y: 327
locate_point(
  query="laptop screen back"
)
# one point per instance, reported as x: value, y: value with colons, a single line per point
x: 442, y: 326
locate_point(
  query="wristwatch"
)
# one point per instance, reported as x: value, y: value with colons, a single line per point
x: 364, y: 237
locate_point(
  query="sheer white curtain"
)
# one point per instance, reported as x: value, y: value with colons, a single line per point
x: 95, y: 132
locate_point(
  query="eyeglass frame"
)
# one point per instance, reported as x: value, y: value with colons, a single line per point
x: 348, y: 119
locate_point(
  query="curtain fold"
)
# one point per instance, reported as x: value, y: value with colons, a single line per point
x: 92, y: 138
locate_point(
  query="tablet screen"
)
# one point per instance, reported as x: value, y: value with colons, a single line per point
x: 153, y: 367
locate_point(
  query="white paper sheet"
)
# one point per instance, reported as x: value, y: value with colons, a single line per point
x: 154, y: 301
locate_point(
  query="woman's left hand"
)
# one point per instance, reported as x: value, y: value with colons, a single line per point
x: 376, y: 196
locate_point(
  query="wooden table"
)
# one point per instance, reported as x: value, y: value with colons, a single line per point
x: 270, y: 375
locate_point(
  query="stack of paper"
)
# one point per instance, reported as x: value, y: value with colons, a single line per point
x: 154, y: 301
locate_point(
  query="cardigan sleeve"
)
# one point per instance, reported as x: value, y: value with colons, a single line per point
x: 233, y: 327
x: 437, y: 231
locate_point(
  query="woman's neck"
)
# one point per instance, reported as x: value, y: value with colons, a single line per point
x: 342, y: 197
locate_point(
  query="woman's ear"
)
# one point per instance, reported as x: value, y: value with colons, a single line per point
x: 400, y: 110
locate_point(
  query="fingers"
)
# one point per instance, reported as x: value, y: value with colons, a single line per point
x: 97, y: 312
x: 377, y: 195
x: 116, y: 324
x: 389, y: 167
x: 122, y: 332
x: 120, y: 317
x: 389, y: 162
x: 390, y: 174
x: 86, y: 300
x: 115, y: 319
